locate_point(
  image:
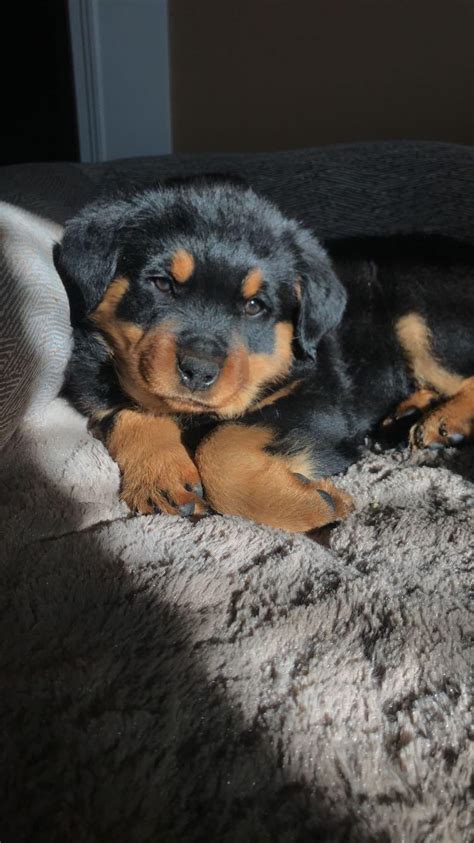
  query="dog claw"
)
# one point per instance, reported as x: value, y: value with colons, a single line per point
x: 410, y: 411
x: 327, y: 498
x: 456, y: 438
x: 436, y: 446
x: 187, y: 509
x: 442, y: 430
x: 196, y: 489
x: 418, y: 437
x: 151, y: 503
x: 303, y: 478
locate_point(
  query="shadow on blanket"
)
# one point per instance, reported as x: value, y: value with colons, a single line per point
x: 112, y: 731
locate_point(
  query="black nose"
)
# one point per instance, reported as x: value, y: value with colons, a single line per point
x: 197, y: 372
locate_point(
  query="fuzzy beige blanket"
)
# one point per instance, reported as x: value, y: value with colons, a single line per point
x: 220, y: 681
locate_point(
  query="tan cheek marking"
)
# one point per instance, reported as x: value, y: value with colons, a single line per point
x: 148, y: 372
x: 234, y: 375
x: 110, y: 300
x: 182, y: 266
x: 252, y: 284
x: 415, y: 338
x: 122, y: 335
x: 298, y: 289
x: 267, y: 367
x: 263, y: 369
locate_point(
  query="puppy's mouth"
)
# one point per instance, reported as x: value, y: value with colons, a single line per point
x: 177, y: 405
x: 189, y: 404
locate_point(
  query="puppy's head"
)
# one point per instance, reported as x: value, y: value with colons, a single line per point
x: 202, y: 290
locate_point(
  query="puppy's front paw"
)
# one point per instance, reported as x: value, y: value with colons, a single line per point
x: 157, y: 471
x: 451, y: 423
x: 439, y: 430
x: 169, y: 482
x: 241, y: 477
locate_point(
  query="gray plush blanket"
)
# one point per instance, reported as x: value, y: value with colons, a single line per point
x: 219, y: 681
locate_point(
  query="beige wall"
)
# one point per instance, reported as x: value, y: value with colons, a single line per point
x: 275, y: 74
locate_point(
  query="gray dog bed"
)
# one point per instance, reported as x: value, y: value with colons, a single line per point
x: 164, y: 681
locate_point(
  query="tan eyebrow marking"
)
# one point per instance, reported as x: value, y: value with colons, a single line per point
x: 252, y: 283
x: 182, y: 266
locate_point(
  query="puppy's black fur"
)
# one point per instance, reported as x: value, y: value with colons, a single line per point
x: 348, y: 368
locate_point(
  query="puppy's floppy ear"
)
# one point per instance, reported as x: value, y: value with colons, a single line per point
x: 86, y: 258
x: 322, y: 298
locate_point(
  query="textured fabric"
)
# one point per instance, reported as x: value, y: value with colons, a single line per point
x: 342, y: 191
x: 34, y: 317
x: 362, y: 189
x: 54, y: 191
x: 225, y: 682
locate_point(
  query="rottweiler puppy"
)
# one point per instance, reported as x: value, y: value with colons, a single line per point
x: 225, y: 360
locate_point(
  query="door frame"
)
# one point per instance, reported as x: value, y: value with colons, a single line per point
x: 104, y: 95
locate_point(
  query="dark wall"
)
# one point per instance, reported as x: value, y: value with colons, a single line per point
x: 38, y: 110
x: 268, y: 74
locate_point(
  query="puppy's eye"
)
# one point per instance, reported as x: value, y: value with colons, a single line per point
x: 253, y: 307
x: 163, y: 284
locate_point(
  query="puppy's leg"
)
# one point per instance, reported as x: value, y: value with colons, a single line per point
x: 449, y: 423
x: 157, y: 471
x: 241, y: 476
x: 416, y: 404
